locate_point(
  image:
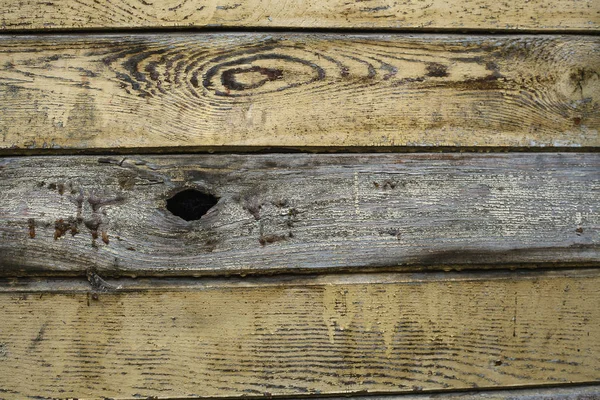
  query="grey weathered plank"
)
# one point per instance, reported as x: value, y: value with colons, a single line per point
x: 327, y: 335
x: 298, y: 212
x: 212, y: 91
x: 576, y: 392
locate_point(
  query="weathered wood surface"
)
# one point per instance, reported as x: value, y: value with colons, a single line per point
x: 374, y: 333
x: 207, y: 91
x: 576, y: 392
x: 418, y: 15
x: 299, y: 212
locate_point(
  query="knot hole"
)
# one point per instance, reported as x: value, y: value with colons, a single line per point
x: 191, y: 204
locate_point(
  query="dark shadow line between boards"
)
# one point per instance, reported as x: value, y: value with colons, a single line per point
x: 240, y: 150
x: 135, y: 281
x: 454, y: 393
x: 291, y: 30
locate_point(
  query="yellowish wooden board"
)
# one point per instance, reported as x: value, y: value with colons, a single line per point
x: 314, y: 335
x: 198, y: 91
x: 407, y: 14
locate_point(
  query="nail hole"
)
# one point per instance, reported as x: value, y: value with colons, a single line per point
x: 191, y: 204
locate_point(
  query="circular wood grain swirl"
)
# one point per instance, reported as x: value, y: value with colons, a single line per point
x: 301, y: 90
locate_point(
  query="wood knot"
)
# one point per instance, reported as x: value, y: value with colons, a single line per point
x: 233, y: 79
x: 581, y: 85
x: 436, y: 70
x: 260, y: 73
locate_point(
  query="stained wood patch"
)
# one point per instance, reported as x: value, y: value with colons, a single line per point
x: 300, y: 90
x: 436, y: 14
x: 334, y: 335
x: 289, y: 212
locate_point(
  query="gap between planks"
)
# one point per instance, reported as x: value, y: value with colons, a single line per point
x: 544, y: 392
x: 296, y: 30
x: 65, y: 285
x: 258, y: 150
x: 566, y: 392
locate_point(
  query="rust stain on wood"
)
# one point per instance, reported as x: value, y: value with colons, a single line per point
x: 232, y: 214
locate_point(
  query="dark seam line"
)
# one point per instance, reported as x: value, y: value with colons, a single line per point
x: 293, y: 29
x: 183, y: 150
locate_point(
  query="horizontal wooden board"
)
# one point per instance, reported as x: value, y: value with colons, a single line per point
x: 540, y: 15
x: 575, y: 392
x: 282, y: 212
x: 321, y: 335
x: 205, y: 91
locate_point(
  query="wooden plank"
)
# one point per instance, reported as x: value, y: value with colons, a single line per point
x: 282, y: 212
x: 315, y: 335
x: 201, y: 91
x: 542, y: 15
x: 577, y: 392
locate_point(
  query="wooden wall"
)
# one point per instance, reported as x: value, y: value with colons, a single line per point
x: 387, y: 200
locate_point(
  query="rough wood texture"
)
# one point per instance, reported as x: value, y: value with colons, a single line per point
x: 206, y: 91
x: 298, y: 212
x: 577, y: 392
x: 434, y: 14
x: 320, y: 335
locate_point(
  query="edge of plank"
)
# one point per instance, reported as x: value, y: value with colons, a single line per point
x: 258, y: 150
x: 124, y: 284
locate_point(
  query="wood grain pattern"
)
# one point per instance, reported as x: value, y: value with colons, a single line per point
x: 409, y: 14
x: 298, y: 90
x: 576, y: 392
x: 279, y: 212
x: 320, y: 335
